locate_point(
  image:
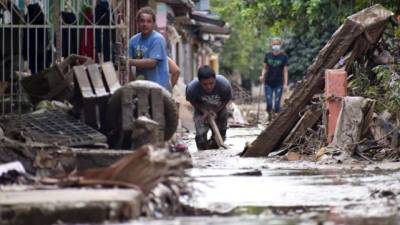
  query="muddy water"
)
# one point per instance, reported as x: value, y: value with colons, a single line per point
x: 281, y: 192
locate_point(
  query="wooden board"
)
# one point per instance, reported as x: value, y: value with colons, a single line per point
x: 308, y: 120
x: 83, y: 82
x: 157, y: 111
x: 126, y: 108
x: 97, y: 80
x: 143, y: 102
x: 111, y: 77
x: 157, y: 106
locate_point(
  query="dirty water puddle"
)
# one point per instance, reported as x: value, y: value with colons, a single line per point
x: 269, y: 191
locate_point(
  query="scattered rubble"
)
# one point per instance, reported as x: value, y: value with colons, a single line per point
x: 81, y: 110
x: 302, y: 125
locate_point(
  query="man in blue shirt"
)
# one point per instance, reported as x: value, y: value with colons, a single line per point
x: 147, y: 50
x: 209, y: 95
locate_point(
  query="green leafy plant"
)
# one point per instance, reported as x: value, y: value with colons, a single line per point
x: 389, y: 83
x: 305, y: 26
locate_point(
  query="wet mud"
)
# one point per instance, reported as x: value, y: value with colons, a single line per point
x: 276, y: 191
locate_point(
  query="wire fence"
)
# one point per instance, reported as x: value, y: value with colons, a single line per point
x: 35, y: 34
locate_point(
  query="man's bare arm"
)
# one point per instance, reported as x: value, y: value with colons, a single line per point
x: 222, y: 106
x: 174, y: 71
x: 143, y: 63
x: 285, y: 77
x: 263, y: 72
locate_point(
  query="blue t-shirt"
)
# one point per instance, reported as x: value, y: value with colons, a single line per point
x: 222, y: 92
x: 151, y: 47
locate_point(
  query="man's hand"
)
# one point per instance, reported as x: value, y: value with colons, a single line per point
x: 212, y: 114
x: 261, y: 78
x: 285, y: 87
x: 208, y: 114
x: 123, y: 59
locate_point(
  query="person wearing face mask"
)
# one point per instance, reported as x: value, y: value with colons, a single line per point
x: 275, y: 76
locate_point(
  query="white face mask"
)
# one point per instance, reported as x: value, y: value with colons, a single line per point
x: 276, y: 48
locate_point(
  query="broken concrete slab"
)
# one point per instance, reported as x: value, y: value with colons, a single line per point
x: 42, y: 207
x: 353, y: 122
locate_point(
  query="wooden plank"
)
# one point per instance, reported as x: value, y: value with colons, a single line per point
x: 157, y: 111
x: 157, y: 106
x: 83, y: 82
x: 111, y: 77
x: 90, y: 113
x: 102, y: 104
x: 97, y: 80
x: 340, y: 43
x: 143, y: 101
x: 216, y: 134
x: 127, y: 94
x: 308, y: 120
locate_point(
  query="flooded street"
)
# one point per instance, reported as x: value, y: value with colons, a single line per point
x: 275, y: 191
x: 100, y: 102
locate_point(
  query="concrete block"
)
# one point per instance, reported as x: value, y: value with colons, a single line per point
x: 42, y: 207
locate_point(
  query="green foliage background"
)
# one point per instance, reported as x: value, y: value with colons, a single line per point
x: 305, y: 26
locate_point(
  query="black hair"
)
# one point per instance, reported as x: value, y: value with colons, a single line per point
x: 205, y: 72
x: 146, y: 10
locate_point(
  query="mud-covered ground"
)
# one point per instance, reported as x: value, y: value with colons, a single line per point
x: 275, y: 191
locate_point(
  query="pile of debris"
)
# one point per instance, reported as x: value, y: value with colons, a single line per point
x: 335, y: 127
x: 80, y: 139
x: 240, y: 94
x: 157, y: 176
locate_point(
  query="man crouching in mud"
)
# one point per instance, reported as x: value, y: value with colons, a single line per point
x: 209, y: 95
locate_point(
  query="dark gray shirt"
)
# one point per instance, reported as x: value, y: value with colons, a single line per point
x: 211, y: 101
x: 276, y: 64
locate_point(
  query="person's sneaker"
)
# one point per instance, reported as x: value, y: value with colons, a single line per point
x: 269, y: 117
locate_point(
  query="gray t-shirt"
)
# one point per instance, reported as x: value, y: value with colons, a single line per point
x: 222, y: 92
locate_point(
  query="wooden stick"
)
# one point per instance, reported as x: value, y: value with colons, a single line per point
x: 216, y: 134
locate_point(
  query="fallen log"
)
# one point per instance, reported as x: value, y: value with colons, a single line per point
x: 357, y: 33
